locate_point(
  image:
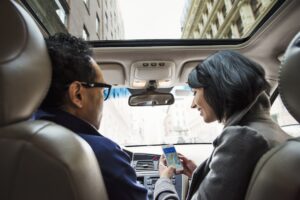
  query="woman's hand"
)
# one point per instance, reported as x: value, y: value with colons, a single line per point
x: 188, y: 165
x: 164, y: 171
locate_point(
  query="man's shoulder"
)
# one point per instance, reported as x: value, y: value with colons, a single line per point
x: 109, y: 154
x: 100, y: 141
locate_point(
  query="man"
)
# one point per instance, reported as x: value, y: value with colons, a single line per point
x: 75, y: 101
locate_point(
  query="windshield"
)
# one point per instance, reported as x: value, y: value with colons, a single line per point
x: 152, y: 19
x: 177, y: 123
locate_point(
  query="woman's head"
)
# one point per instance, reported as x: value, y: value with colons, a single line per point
x: 229, y: 83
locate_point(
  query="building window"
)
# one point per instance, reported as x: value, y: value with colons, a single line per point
x: 97, y: 24
x: 206, y: 11
x: 240, y: 25
x: 214, y: 29
x: 200, y: 27
x: 87, y: 5
x: 224, y: 11
x: 106, y: 21
x: 61, y: 13
x: 111, y: 19
x: 205, y: 18
x: 209, y: 6
x: 85, y: 33
x: 217, y: 22
x: 255, y: 5
x: 86, y: 2
x: 209, y: 34
x: 228, y: 35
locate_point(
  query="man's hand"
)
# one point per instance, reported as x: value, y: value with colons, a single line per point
x: 164, y: 171
x: 188, y: 165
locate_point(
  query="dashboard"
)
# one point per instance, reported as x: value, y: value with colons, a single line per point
x: 146, y: 167
x: 145, y: 161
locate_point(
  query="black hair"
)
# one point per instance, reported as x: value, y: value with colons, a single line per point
x: 231, y: 82
x: 70, y: 58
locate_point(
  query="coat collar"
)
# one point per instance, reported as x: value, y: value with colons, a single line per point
x: 258, y: 108
x: 67, y: 120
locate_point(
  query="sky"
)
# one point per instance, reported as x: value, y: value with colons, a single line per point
x: 151, y: 19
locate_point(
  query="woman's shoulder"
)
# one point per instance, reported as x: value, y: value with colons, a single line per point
x: 243, y: 135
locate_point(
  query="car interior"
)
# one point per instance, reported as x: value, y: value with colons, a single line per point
x: 38, y: 157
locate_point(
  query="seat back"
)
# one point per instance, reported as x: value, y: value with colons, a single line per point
x: 276, y: 175
x: 39, y: 159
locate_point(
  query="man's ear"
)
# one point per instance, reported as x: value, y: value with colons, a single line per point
x: 75, y: 94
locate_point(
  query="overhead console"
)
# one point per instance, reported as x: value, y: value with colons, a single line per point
x: 163, y: 72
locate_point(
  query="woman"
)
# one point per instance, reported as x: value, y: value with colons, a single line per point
x: 232, y: 89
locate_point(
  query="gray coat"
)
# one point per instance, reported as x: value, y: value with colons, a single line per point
x: 247, y: 135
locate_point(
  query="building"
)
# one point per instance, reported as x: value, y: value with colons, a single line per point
x: 89, y: 19
x: 222, y: 19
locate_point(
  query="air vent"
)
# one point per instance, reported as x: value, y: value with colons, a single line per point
x: 144, y: 165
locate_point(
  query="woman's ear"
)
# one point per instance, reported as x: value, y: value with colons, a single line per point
x: 75, y: 94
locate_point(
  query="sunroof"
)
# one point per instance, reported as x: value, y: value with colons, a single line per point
x: 152, y: 19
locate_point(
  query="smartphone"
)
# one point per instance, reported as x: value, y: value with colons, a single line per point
x: 172, y: 157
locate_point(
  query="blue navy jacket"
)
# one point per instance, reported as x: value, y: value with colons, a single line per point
x: 119, y: 177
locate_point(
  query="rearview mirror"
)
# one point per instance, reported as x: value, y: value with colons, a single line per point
x: 151, y: 99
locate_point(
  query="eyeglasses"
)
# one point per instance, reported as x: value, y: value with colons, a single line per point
x: 106, y: 87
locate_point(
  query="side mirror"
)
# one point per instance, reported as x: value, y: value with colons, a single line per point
x: 151, y: 99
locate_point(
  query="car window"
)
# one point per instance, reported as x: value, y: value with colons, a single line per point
x: 152, y: 19
x: 177, y: 123
x: 280, y: 115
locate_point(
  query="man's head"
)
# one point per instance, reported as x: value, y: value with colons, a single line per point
x: 74, y: 74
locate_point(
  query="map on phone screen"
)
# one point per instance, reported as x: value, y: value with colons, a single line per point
x: 172, y: 157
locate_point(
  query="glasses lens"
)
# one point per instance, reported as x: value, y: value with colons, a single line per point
x: 105, y: 93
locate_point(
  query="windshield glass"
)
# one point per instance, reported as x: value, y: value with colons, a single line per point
x: 151, y: 19
x: 177, y: 123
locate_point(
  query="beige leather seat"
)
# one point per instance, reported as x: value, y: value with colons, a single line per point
x: 277, y: 175
x: 39, y: 160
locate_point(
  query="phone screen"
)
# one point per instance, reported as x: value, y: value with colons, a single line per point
x: 172, y: 157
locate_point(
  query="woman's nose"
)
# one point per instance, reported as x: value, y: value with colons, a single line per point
x: 193, y: 104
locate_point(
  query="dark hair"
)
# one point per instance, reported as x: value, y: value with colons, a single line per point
x: 231, y: 82
x: 70, y: 58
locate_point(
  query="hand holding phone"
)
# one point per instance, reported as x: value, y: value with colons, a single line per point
x: 172, y: 157
x: 189, y: 166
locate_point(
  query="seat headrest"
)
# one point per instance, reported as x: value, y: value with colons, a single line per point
x: 289, y: 80
x: 25, y: 67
